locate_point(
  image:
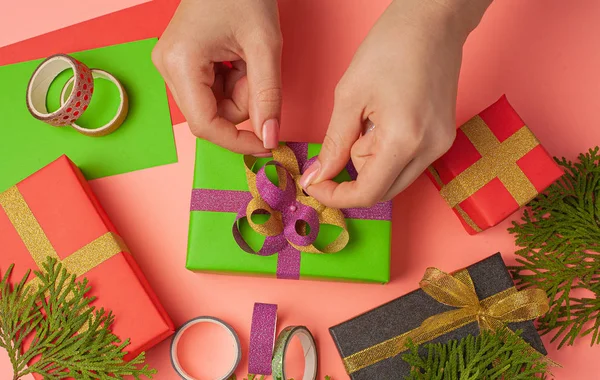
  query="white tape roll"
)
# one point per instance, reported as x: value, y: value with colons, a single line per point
x: 174, y: 355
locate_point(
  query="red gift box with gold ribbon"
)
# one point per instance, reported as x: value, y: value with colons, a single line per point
x: 495, y: 166
x: 55, y: 213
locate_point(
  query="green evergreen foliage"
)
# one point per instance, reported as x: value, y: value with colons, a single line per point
x: 560, y: 236
x: 55, y: 325
x: 488, y: 356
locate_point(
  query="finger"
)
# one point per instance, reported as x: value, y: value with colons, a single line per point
x: 217, y: 87
x: 410, y: 173
x: 344, y: 129
x: 235, y: 107
x: 363, y: 149
x: 418, y: 165
x: 230, y: 88
x: 374, y: 180
x: 193, y: 81
x: 237, y: 72
x: 159, y: 65
x: 264, y: 80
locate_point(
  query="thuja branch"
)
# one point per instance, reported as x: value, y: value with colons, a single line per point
x: 488, y: 356
x: 560, y: 236
x: 51, y: 329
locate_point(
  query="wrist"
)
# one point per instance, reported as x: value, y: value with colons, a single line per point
x: 467, y: 12
x: 459, y: 17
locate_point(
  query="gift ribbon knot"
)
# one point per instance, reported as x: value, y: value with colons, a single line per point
x: 458, y: 290
x: 294, y: 217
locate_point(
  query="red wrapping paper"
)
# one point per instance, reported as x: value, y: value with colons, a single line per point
x: 71, y: 218
x: 493, y: 202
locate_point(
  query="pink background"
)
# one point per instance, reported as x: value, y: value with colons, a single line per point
x: 29, y: 18
x: 542, y: 53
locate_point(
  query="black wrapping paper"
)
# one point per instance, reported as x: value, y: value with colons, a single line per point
x: 490, y: 276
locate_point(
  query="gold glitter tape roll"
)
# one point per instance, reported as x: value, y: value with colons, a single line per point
x: 236, y: 343
x: 116, y: 121
x: 74, y: 104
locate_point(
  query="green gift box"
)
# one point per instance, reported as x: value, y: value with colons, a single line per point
x: 220, y: 194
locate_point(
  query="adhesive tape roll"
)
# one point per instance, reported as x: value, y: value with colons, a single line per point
x: 75, y: 104
x: 174, y: 354
x: 116, y: 121
x: 311, y: 361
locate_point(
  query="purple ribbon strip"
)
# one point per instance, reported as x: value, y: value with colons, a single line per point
x: 262, y: 338
x: 288, y: 263
x: 233, y: 201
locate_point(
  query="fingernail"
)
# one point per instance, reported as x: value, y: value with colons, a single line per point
x: 262, y: 155
x: 368, y: 127
x: 310, y: 174
x: 270, y: 134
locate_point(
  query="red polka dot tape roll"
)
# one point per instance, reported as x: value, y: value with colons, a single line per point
x: 75, y: 104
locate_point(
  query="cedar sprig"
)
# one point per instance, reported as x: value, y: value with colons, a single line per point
x: 560, y: 236
x: 488, y: 356
x: 54, y: 325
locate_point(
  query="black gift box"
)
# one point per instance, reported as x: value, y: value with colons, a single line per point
x: 406, y: 313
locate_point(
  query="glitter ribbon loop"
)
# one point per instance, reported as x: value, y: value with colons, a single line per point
x: 457, y: 290
x: 297, y: 217
x: 294, y: 218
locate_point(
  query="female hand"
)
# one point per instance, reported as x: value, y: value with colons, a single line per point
x: 212, y: 96
x: 404, y: 79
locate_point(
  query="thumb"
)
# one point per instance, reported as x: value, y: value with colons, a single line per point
x: 344, y: 129
x: 264, y: 82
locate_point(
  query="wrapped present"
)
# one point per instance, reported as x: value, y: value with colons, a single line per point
x: 482, y: 296
x: 54, y: 213
x: 495, y: 166
x: 250, y: 216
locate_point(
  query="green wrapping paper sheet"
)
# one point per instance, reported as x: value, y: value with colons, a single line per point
x: 144, y: 140
x: 212, y: 248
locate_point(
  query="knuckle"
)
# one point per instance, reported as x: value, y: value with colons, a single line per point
x: 264, y: 42
x: 169, y: 58
x: 269, y: 93
x: 198, y: 128
x: 415, y: 132
x: 274, y: 40
x: 157, y: 56
x: 331, y: 144
x: 368, y: 200
x: 444, y: 138
x: 409, y: 135
x: 341, y: 94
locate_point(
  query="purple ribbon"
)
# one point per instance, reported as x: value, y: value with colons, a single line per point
x: 262, y: 338
x: 295, y: 215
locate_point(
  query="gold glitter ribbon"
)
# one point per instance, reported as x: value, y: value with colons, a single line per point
x: 457, y: 290
x: 498, y: 160
x: 39, y: 246
x: 274, y: 225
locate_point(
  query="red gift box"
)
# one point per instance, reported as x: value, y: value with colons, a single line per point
x: 54, y: 213
x: 495, y: 166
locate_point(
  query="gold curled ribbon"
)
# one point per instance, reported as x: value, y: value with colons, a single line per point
x: 458, y: 290
x: 37, y: 243
x: 498, y: 160
x: 274, y: 225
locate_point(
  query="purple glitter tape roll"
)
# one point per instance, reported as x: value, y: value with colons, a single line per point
x: 262, y: 338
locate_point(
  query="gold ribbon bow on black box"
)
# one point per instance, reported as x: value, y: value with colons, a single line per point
x: 445, y: 304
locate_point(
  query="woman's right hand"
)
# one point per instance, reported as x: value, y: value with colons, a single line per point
x: 213, y: 96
